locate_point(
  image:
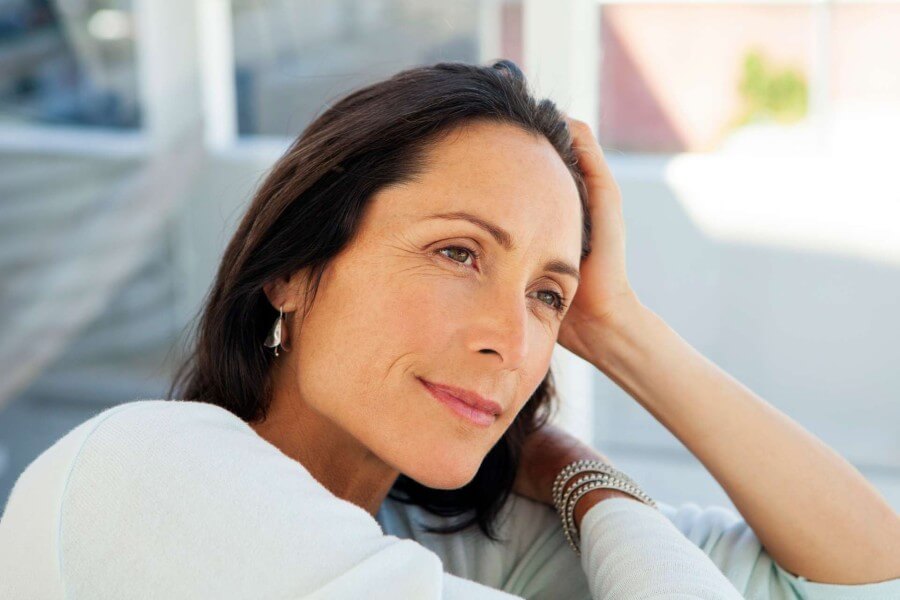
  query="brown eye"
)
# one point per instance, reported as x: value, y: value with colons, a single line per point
x: 557, y: 302
x: 459, y: 251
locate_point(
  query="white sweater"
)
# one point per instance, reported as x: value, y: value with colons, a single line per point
x: 177, y: 499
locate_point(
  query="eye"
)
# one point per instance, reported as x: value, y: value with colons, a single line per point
x: 557, y: 301
x: 473, y: 253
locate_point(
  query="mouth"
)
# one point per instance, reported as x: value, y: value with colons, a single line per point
x: 468, y: 405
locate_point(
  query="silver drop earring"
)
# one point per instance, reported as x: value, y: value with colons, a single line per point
x: 274, y: 338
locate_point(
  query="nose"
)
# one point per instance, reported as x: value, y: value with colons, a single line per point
x: 501, y: 326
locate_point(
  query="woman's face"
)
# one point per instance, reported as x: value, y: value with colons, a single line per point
x: 408, y: 300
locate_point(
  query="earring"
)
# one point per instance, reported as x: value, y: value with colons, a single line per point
x: 274, y: 338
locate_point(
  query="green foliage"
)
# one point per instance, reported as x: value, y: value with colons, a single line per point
x: 769, y: 93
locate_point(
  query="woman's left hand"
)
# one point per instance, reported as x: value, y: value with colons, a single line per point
x: 604, y: 289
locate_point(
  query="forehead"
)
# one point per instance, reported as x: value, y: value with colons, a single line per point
x: 500, y: 172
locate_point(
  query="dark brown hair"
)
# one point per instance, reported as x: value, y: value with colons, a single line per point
x: 307, y: 210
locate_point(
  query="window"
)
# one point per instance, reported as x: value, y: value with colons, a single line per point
x: 70, y: 63
x: 292, y: 58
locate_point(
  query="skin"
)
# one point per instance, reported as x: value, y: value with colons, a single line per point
x: 343, y: 420
x: 814, y: 513
x: 347, y: 403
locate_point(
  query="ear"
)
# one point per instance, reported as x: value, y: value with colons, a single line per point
x: 287, y: 290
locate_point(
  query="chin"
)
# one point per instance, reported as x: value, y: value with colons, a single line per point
x: 440, y: 477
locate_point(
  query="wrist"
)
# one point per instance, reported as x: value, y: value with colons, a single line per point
x: 583, y: 454
x: 613, y: 335
x: 594, y: 497
x: 584, y: 484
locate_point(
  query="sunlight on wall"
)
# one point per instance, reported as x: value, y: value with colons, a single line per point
x: 784, y: 187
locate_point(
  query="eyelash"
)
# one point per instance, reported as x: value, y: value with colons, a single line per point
x: 559, y: 304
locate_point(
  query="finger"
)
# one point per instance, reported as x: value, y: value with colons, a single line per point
x: 590, y: 155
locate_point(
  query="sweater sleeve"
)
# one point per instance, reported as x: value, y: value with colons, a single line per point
x: 163, y: 501
x: 734, y: 548
x: 631, y: 550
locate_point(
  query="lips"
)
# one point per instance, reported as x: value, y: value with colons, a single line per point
x: 473, y: 399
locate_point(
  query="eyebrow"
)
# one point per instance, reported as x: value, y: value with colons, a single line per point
x: 505, y: 239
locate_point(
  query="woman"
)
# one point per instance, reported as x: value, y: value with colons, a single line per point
x: 418, y: 250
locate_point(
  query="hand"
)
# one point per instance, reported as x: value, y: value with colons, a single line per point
x: 604, y: 289
x: 545, y: 453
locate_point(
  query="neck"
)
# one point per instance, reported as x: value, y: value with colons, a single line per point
x: 335, y: 458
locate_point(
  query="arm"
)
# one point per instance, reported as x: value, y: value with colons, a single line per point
x: 628, y: 549
x: 816, y: 515
x: 826, y: 522
x: 735, y: 549
x: 631, y: 550
x: 614, y: 535
x: 175, y: 500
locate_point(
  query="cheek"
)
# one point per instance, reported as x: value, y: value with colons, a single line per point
x: 427, y: 313
x: 533, y: 374
x: 420, y: 313
x: 363, y: 328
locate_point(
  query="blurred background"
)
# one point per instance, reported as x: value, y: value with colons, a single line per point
x: 755, y: 144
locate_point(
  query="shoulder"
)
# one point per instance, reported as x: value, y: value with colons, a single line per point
x: 121, y: 460
x: 159, y: 422
x: 165, y: 417
x: 132, y: 424
x: 167, y: 499
x: 155, y: 436
x: 145, y: 442
x: 113, y: 435
x: 189, y: 501
x: 164, y: 452
x: 147, y: 447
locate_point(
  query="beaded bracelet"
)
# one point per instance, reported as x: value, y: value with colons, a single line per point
x: 599, y: 476
x: 581, y: 466
x: 593, y: 484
